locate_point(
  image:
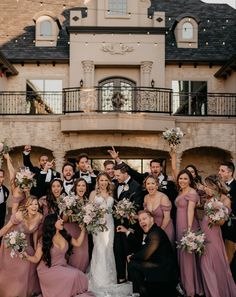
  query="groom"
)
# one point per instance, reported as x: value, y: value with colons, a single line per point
x: 126, y: 188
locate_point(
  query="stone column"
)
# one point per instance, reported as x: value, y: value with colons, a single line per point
x: 88, y: 69
x: 59, y: 159
x: 146, y: 69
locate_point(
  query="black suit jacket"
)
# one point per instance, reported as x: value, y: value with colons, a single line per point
x: 42, y: 186
x: 5, y: 193
x: 156, y: 256
x: 229, y: 231
x: 134, y: 193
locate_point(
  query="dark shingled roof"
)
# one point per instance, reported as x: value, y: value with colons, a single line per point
x: 220, y: 28
x: 24, y: 50
x: 215, y: 52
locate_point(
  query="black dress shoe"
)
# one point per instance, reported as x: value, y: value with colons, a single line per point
x: 122, y: 281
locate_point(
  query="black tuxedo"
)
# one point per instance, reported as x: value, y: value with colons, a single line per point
x: 132, y: 191
x: 154, y: 263
x: 3, y: 206
x: 229, y: 232
x: 42, y: 186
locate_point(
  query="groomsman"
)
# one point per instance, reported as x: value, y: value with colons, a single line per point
x: 226, y: 174
x: 165, y: 185
x: 153, y: 267
x: 4, y: 193
x: 128, y: 188
x: 109, y: 166
x: 85, y: 171
x: 44, y: 174
x: 68, y: 174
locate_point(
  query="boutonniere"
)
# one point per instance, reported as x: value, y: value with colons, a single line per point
x: 54, y: 172
x: 164, y: 183
x: 126, y: 187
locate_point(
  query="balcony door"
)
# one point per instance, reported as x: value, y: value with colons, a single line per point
x: 116, y: 94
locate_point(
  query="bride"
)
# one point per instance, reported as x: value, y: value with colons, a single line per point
x: 102, y: 275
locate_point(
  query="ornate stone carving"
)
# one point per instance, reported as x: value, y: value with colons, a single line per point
x: 146, y: 66
x: 88, y: 66
x: 117, y: 48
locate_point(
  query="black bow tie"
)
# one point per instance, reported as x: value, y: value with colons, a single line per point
x: 69, y: 183
x: 84, y: 174
x: 121, y: 184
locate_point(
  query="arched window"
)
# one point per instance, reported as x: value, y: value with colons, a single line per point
x: 187, y: 30
x: 116, y: 93
x: 45, y: 28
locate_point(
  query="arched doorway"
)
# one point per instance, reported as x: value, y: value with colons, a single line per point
x: 206, y: 159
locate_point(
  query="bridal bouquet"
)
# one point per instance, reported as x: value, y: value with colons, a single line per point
x: 4, y: 149
x: 193, y: 242
x: 216, y: 211
x: 173, y: 136
x: 24, y: 178
x: 93, y: 217
x: 67, y: 204
x: 16, y: 241
x: 125, y: 209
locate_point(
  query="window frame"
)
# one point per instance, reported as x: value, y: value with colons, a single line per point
x: 186, y: 42
x: 117, y: 16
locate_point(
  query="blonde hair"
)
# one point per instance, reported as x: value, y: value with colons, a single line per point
x: 110, y: 186
x: 28, y: 202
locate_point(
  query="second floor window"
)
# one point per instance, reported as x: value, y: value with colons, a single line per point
x: 187, y: 30
x: 45, y: 28
x: 117, y: 7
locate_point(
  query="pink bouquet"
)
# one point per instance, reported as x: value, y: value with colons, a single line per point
x: 4, y: 149
x: 216, y: 211
x: 24, y: 178
x: 17, y: 242
x: 193, y: 242
x: 173, y: 136
x: 125, y: 209
x: 92, y: 216
x: 67, y: 204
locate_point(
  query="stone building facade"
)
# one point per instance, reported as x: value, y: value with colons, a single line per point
x: 153, y: 48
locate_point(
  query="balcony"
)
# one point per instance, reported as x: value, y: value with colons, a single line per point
x: 126, y: 100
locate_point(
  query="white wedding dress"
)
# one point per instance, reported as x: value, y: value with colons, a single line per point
x: 102, y: 274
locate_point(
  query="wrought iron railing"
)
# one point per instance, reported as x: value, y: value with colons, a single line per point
x: 111, y: 99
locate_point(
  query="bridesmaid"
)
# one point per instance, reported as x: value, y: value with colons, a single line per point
x: 160, y: 206
x: 19, y: 196
x: 48, y: 204
x: 57, y: 278
x: 21, y: 274
x: 186, y: 219
x: 217, y: 277
x: 80, y: 256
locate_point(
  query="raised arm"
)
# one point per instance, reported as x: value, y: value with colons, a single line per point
x: 114, y: 154
x: 10, y: 223
x: 11, y: 171
x: 77, y: 242
x: 26, y: 158
x: 174, y: 169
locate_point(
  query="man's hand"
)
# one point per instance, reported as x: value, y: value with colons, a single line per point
x: 49, y: 165
x: 129, y: 258
x: 27, y: 148
x: 122, y: 229
x: 114, y: 154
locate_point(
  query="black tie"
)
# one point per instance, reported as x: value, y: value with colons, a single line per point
x: 69, y: 183
x: 84, y: 174
x: 121, y: 184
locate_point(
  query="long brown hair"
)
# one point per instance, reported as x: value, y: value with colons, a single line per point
x: 110, y: 186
